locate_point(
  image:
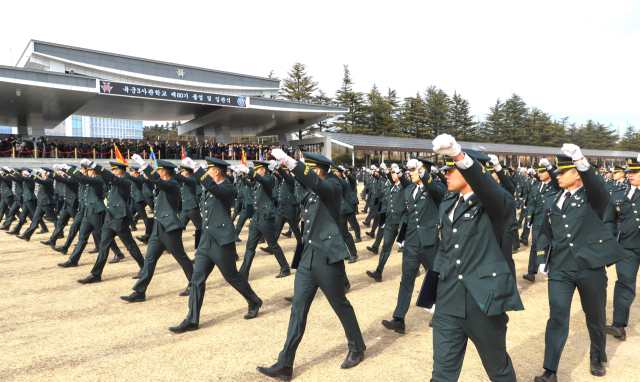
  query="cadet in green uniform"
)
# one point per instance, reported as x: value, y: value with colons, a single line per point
x: 28, y: 199
x: 147, y: 191
x: 190, y: 201
x: 6, y: 193
x: 536, y: 211
x: 421, y: 203
x: 288, y: 205
x: 46, y: 203
x: 623, y: 220
x: 217, y: 244
x: 618, y: 180
x: 69, y: 196
x: 475, y: 286
x: 118, y: 218
x: 374, y: 199
x: 167, y: 228
x: 247, y: 202
x: 138, y: 202
x: 582, y: 247
x: 264, y: 219
x: 352, y: 199
x: 345, y: 212
x: 239, y: 202
x: 321, y: 264
x: 17, y: 200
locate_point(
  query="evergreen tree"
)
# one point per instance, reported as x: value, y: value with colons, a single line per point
x: 412, y: 118
x: 461, y: 121
x: 437, y: 104
x: 378, y: 113
x: 352, y: 121
x: 629, y: 139
x: 515, y: 116
x: 493, y: 125
x: 298, y: 86
x: 322, y: 99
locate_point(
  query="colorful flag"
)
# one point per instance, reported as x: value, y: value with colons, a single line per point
x: 119, y: 156
x: 261, y: 159
x: 244, y: 158
x: 300, y: 157
x: 153, y: 158
x: 183, y: 156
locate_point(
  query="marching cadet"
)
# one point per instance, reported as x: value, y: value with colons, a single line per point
x: 23, y: 176
x: 536, y: 211
x: 475, y: 286
x: 118, y: 218
x: 239, y: 186
x: 582, y: 247
x: 345, y: 211
x: 352, y: 199
x: 69, y: 197
x: 147, y: 192
x: 374, y: 199
x: 421, y: 202
x: 217, y: 244
x: 527, y: 191
x: 288, y: 205
x: 167, y: 228
x: 321, y: 263
x: 138, y: 203
x: 618, y: 180
x: 17, y: 199
x: 395, y: 212
x: 247, y: 202
x: 6, y: 193
x: 623, y: 220
x: 46, y: 203
x: 190, y: 201
x: 263, y: 222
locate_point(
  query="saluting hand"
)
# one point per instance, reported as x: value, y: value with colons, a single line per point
x: 138, y: 159
x: 281, y: 156
x: 572, y: 151
x: 188, y: 162
x: 445, y: 144
x: 545, y: 162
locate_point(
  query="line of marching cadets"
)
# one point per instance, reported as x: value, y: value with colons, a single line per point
x: 459, y: 222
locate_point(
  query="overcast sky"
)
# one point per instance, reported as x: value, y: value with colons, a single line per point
x: 579, y: 59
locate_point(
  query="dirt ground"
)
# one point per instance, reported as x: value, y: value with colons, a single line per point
x: 55, y: 329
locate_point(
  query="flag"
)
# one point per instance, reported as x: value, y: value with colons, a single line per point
x: 153, y: 158
x: 183, y: 156
x: 244, y: 158
x: 119, y: 156
x: 261, y: 159
x: 300, y: 156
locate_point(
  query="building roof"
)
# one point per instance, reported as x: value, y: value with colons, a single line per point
x: 382, y: 143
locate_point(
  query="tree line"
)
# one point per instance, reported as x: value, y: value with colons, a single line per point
x: 432, y: 112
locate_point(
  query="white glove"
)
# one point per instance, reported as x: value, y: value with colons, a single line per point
x: 85, y: 162
x: 273, y: 163
x: 64, y: 167
x: 34, y: 173
x: 530, y: 171
x: 7, y: 169
x: 56, y: 166
x: 383, y: 166
x: 414, y: 164
x: 638, y: 161
x: 279, y: 154
x: 138, y: 159
x: 395, y: 168
x: 434, y: 169
x: 545, y: 162
x: 541, y: 269
x: 572, y: 151
x: 445, y: 144
x: 494, y: 159
x: 244, y: 169
x: 432, y: 310
x: 25, y: 173
x: 41, y: 171
x: 236, y: 172
x: 341, y: 168
x: 188, y: 162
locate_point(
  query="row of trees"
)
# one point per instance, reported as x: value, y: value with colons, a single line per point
x: 434, y: 112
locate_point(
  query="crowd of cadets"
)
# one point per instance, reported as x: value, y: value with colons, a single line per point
x: 454, y: 214
x: 163, y: 149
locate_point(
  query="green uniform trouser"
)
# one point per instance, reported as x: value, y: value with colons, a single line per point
x: 412, y: 257
x: 13, y: 212
x: 353, y: 221
x: 140, y: 208
x: 346, y: 235
x: 373, y: 212
x: 75, y: 227
x: 237, y: 208
x: 592, y: 286
x: 90, y: 223
x: 65, y: 215
x: 241, y: 219
x: 158, y: 242
x: 625, y: 290
x: 49, y: 210
x: 109, y: 234
x: 291, y: 215
x: 330, y: 279
x: 224, y: 256
x: 261, y: 227
x: 193, y: 215
x: 28, y: 209
x: 451, y: 335
x: 533, y: 256
x: 5, y: 206
x: 390, y: 233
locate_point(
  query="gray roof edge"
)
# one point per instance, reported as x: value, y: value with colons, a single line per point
x: 48, y: 72
x: 336, y: 108
x: 153, y: 61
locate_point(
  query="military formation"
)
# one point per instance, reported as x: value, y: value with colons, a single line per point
x: 455, y: 214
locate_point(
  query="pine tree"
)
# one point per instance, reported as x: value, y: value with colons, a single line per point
x: 299, y: 86
x: 322, y: 99
x: 461, y: 121
x: 628, y: 139
x: 412, y: 118
x: 352, y: 121
x: 437, y: 110
x: 493, y: 125
x: 515, y: 116
x: 378, y: 113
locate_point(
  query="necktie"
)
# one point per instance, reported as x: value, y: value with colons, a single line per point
x: 460, y: 203
x: 633, y: 193
x: 567, y: 195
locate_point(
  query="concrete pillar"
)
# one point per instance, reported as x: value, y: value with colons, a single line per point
x: 282, y: 139
x: 36, y: 123
x: 223, y: 135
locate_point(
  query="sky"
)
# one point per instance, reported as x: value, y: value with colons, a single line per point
x: 576, y: 59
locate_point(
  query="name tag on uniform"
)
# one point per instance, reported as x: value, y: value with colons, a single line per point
x: 466, y: 215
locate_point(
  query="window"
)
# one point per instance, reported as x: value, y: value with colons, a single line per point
x: 76, y: 125
x: 5, y: 129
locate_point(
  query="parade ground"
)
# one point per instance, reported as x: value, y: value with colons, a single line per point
x: 55, y: 329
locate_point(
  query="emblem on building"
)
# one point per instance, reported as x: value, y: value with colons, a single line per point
x: 106, y: 87
x: 242, y: 101
x: 180, y: 72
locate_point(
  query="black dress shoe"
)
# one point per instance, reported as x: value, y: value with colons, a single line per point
x: 418, y: 273
x: 134, y: 228
x: 42, y: 231
x: 397, y: 325
x: 95, y: 250
x: 262, y: 241
x: 193, y: 261
x: 23, y: 237
x: 597, y: 367
x: 366, y: 224
x: 530, y: 276
x: 91, y: 279
x: 61, y: 236
x: 353, y: 259
x: 284, y: 273
x: 62, y: 250
x: 116, y: 258
x: 547, y: 376
x: 289, y: 299
x: 373, y: 249
x: 278, y: 371
x: 287, y: 234
x: 3, y: 228
x: 186, y: 292
x: 353, y: 359
x: 133, y: 297
x: 68, y: 264
x: 375, y: 275
x: 142, y: 239
x: 400, y: 250
x: 267, y: 250
x: 617, y: 331
x: 431, y: 323
x: 357, y: 240
x: 514, y: 251
x: 47, y: 242
x: 253, y: 311
x: 237, y: 257
x: 138, y: 275
x: 370, y: 234
x: 525, y: 242
x: 185, y: 326
x: 13, y: 232
x: 347, y: 288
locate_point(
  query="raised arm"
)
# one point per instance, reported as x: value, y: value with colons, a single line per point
x: 266, y: 183
x: 164, y: 185
x: 224, y: 193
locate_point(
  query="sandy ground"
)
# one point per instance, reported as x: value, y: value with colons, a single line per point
x: 56, y: 329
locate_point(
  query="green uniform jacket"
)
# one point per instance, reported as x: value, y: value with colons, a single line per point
x: 5, y: 188
x: 28, y: 187
x: 188, y: 189
x: 93, y: 192
x: 45, y: 191
x: 422, y: 211
x: 147, y: 188
x: 396, y: 204
x: 70, y: 191
x: 166, y: 202
x: 509, y: 187
x: 137, y: 184
x: 263, y: 194
x: 321, y: 214
x: 536, y: 207
x: 216, y: 210
x: 352, y: 196
x: 119, y: 193
x: 622, y: 216
x: 469, y: 256
x: 577, y: 234
x: 345, y: 208
x: 286, y: 190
